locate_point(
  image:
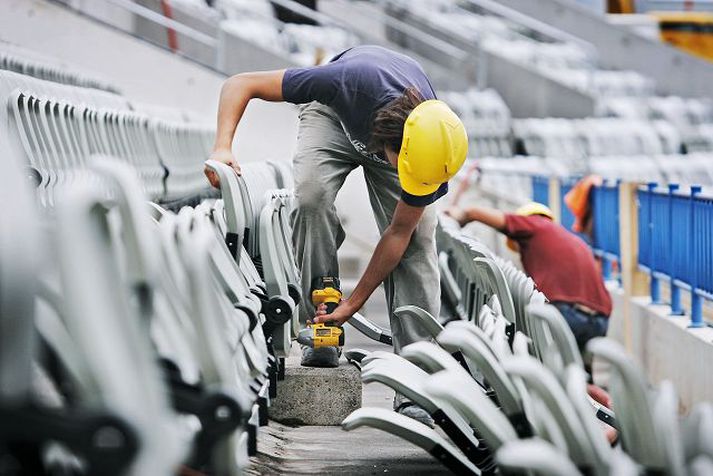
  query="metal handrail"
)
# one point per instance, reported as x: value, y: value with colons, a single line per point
x: 159, y: 19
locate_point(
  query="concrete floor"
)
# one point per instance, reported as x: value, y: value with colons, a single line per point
x: 330, y: 450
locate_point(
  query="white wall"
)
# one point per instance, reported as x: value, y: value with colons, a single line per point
x: 665, y: 347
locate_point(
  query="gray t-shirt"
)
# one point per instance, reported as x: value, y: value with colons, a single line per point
x: 356, y: 84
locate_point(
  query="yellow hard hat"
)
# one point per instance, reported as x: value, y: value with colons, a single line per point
x: 535, y: 208
x: 434, y: 147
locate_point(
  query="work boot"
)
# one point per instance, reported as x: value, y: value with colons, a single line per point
x: 320, y: 357
x: 412, y: 410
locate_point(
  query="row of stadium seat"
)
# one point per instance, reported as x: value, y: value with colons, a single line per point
x: 136, y: 335
x: 486, y: 118
x: 24, y: 61
x: 647, y: 124
x: 506, y: 385
x: 580, y: 139
x: 661, y: 126
x: 58, y: 127
x: 565, y: 62
x: 118, y: 271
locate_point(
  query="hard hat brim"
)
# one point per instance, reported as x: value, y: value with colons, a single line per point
x: 535, y: 208
x: 413, y: 186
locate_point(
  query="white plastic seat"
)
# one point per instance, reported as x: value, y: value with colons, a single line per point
x: 408, y: 380
x: 430, y: 357
x: 424, y: 319
x: 18, y: 281
x: 553, y: 339
x: 576, y: 387
x: 543, y: 383
x: 634, y: 407
x: 470, y: 401
x: 479, y: 356
x: 697, y: 432
x: 535, y: 456
x: 413, y: 432
x: 101, y: 323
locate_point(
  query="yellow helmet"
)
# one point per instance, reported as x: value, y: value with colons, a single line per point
x: 433, y: 148
x: 535, y: 208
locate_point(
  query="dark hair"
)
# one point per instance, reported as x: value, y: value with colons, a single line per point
x: 388, y: 127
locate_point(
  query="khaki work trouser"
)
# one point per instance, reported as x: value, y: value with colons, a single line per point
x: 324, y: 158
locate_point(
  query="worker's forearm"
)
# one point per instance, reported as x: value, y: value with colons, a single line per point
x: 489, y: 216
x: 387, y: 255
x: 234, y: 98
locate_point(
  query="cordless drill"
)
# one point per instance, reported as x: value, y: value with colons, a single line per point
x: 325, y: 290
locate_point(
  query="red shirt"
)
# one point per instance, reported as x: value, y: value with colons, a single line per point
x: 560, y: 263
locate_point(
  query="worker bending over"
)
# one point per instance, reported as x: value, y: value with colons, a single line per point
x: 560, y: 263
x: 373, y: 108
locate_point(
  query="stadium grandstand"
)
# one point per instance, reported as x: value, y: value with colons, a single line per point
x: 165, y: 300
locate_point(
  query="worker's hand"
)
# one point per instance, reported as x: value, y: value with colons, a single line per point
x: 340, y: 315
x: 599, y: 395
x: 225, y: 156
x: 602, y: 396
x: 458, y: 214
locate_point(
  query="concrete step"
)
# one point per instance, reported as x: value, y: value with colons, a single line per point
x: 301, y: 449
x: 316, y: 396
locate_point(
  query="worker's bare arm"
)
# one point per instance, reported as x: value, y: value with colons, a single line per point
x: 236, y: 93
x: 488, y: 216
x: 386, y: 256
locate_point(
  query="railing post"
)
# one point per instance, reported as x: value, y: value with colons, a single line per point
x: 601, y: 226
x: 615, y: 234
x: 606, y: 268
x: 694, y: 255
x: 555, y: 199
x: 655, y: 286
x: 633, y: 280
x: 676, y: 308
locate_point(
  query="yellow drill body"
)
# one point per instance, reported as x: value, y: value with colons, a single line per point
x: 325, y: 336
x: 325, y: 290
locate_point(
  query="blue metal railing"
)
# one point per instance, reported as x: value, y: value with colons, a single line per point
x: 605, y: 239
x: 566, y: 215
x: 676, y: 245
x: 675, y: 231
x: 541, y: 189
